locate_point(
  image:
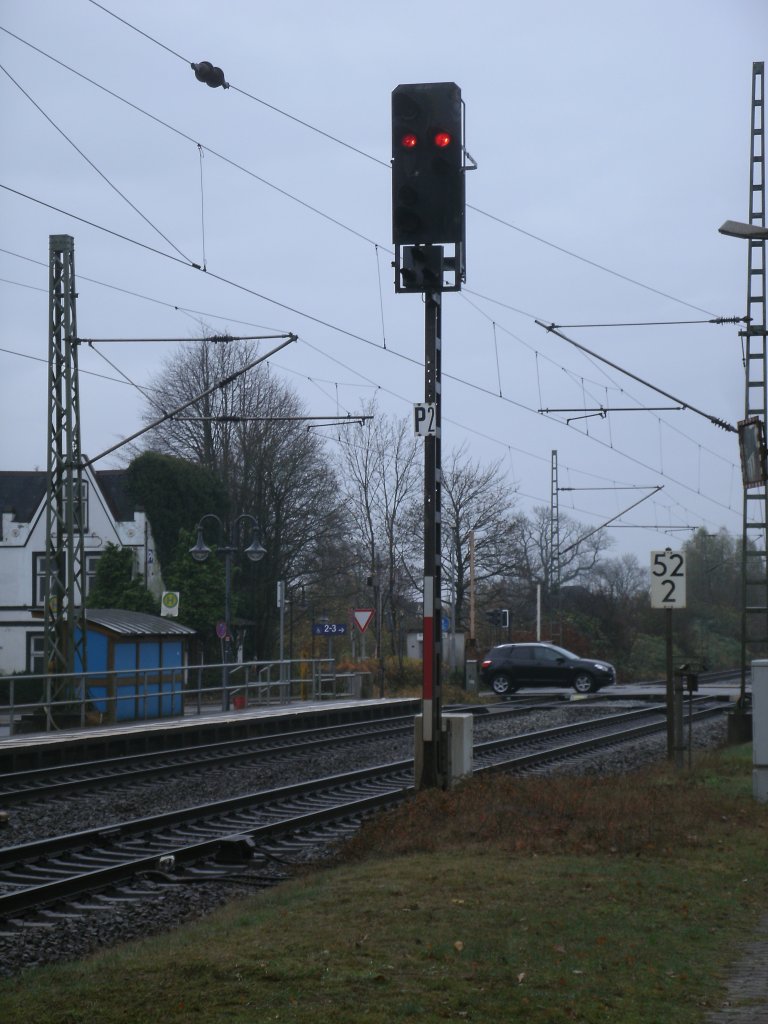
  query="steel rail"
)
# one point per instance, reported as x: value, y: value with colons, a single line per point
x: 33, y: 784
x: 102, y: 877
x: 58, y: 844
x: 567, y: 750
x: 205, y: 827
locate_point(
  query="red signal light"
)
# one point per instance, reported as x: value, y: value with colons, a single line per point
x: 409, y: 141
x: 443, y: 139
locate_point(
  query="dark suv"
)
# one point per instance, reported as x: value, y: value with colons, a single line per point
x: 507, y: 667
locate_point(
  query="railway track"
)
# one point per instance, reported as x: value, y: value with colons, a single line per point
x: 57, y: 780
x: 194, y: 844
x: 42, y: 783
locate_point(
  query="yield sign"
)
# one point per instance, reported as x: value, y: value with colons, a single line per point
x: 363, y: 617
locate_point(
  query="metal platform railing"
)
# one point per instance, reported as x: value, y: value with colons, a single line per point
x: 45, y: 703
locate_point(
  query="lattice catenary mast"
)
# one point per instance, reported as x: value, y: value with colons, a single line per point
x: 754, y: 569
x: 64, y: 636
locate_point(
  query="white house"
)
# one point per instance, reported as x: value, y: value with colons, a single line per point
x: 110, y: 517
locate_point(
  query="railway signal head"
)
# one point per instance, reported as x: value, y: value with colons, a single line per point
x: 427, y: 164
x: 422, y: 268
x: 498, y: 617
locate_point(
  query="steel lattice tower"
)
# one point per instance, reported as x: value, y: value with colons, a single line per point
x: 64, y: 541
x: 754, y: 569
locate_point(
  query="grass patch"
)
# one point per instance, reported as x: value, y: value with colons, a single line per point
x: 543, y: 900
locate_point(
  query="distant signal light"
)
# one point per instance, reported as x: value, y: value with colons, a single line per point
x: 409, y: 141
x: 443, y: 139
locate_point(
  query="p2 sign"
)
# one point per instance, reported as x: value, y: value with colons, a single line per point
x: 425, y: 419
x: 667, y: 579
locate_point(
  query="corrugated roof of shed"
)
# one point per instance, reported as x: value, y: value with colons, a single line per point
x: 124, y: 623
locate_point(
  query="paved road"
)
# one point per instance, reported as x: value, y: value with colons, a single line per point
x: 746, y: 1001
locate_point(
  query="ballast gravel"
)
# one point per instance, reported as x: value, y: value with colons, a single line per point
x: 156, y: 904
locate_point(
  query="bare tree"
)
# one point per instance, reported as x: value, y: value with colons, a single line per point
x: 620, y: 579
x: 269, y: 464
x: 382, y: 477
x: 476, y: 499
x: 580, y: 549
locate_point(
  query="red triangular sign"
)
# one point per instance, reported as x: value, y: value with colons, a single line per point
x: 363, y: 617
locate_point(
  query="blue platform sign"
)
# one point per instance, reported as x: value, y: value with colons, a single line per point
x: 329, y: 628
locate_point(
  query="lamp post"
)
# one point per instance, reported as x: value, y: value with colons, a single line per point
x: 737, y: 229
x: 254, y: 552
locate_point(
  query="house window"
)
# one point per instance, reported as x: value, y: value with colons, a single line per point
x: 36, y: 653
x: 39, y: 564
x: 38, y: 575
x: 91, y: 563
x: 80, y: 512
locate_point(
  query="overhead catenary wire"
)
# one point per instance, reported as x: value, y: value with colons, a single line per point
x: 177, y: 131
x: 383, y: 163
x: 479, y: 388
x: 471, y: 385
x: 89, y: 373
x: 603, y: 409
x: 91, y: 164
x: 513, y: 226
x: 208, y: 391
x: 712, y: 419
x: 540, y: 355
x: 194, y: 266
x: 250, y: 96
x: 214, y: 338
x: 510, y: 225
x: 139, y: 295
x: 100, y: 227
x: 664, y: 323
x: 522, y: 451
x: 183, y: 58
x: 135, y: 29
x: 142, y: 390
x: 234, y: 418
x: 346, y: 145
x: 564, y: 551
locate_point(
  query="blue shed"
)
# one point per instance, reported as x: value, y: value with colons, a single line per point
x: 144, y: 658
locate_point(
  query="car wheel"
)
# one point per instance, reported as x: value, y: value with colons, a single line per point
x: 500, y: 684
x: 584, y: 683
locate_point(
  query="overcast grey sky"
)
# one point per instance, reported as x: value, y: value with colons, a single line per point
x: 615, y: 132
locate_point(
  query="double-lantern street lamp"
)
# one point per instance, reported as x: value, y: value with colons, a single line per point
x: 254, y: 552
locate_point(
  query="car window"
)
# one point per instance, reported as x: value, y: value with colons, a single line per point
x: 518, y: 654
x: 547, y: 655
x: 565, y: 654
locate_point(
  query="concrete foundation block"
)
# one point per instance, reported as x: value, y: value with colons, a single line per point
x: 457, y: 742
x: 760, y: 730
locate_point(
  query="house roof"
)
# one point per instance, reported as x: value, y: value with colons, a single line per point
x: 113, y: 484
x: 124, y: 623
x: 22, y: 493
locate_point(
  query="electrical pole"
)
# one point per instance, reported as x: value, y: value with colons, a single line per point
x: 64, y: 603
